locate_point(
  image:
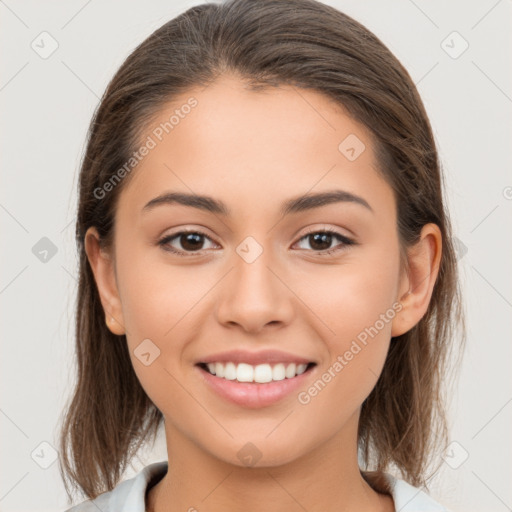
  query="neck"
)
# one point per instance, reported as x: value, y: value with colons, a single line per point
x: 327, y: 479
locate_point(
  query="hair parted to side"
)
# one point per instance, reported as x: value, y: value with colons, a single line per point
x: 266, y: 43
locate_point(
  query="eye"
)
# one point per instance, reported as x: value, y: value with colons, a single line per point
x: 321, y: 240
x: 190, y: 241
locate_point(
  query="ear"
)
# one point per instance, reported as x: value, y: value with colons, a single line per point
x: 418, y: 282
x: 104, y: 274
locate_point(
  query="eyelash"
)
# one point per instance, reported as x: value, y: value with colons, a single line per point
x: 346, y: 241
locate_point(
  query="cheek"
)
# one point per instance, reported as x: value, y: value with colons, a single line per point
x: 157, y: 295
x: 360, y: 317
x: 353, y: 309
x: 156, y: 323
x: 159, y: 304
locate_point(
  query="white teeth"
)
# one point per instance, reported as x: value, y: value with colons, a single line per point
x: 290, y: 371
x: 278, y: 372
x: 260, y: 373
x: 244, y: 373
x: 263, y: 373
x: 301, y: 368
x: 230, y: 371
x: 219, y: 369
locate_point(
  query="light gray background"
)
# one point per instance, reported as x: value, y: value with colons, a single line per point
x: 46, y: 105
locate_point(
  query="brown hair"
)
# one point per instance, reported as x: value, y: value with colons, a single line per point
x: 266, y: 42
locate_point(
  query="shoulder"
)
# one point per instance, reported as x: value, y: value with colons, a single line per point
x: 408, y: 498
x: 127, y: 496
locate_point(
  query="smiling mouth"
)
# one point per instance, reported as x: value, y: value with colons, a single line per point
x: 257, y: 374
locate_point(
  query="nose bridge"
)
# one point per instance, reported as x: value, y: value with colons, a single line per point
x: 254, y: 295
x: 252, y: 266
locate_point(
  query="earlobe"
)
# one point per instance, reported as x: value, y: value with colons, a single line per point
x: 114, y: 326
x: 418, y: 283
x: 103, y: 269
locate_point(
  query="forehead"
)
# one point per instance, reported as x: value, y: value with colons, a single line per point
x: 250, y: 147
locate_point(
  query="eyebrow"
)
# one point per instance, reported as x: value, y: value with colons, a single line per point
x: 294, y: 205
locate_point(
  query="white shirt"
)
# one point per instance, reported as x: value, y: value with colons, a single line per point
x: 129, y: 496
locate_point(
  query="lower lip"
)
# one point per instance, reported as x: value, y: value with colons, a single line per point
x: 254, y: 394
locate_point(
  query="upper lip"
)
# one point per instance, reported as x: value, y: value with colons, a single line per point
x: 254, y: 358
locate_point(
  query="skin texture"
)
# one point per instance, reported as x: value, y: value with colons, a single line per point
x: 253, y: 151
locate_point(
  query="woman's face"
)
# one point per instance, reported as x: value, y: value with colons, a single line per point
x: 253, y: 278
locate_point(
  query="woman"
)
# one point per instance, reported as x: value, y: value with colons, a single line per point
x: 266, y: 268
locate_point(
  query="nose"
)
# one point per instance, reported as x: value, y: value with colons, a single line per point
x: 255, y: 294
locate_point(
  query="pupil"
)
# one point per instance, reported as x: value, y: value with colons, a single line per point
x: 324, y: 238
x: 192, y: 241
